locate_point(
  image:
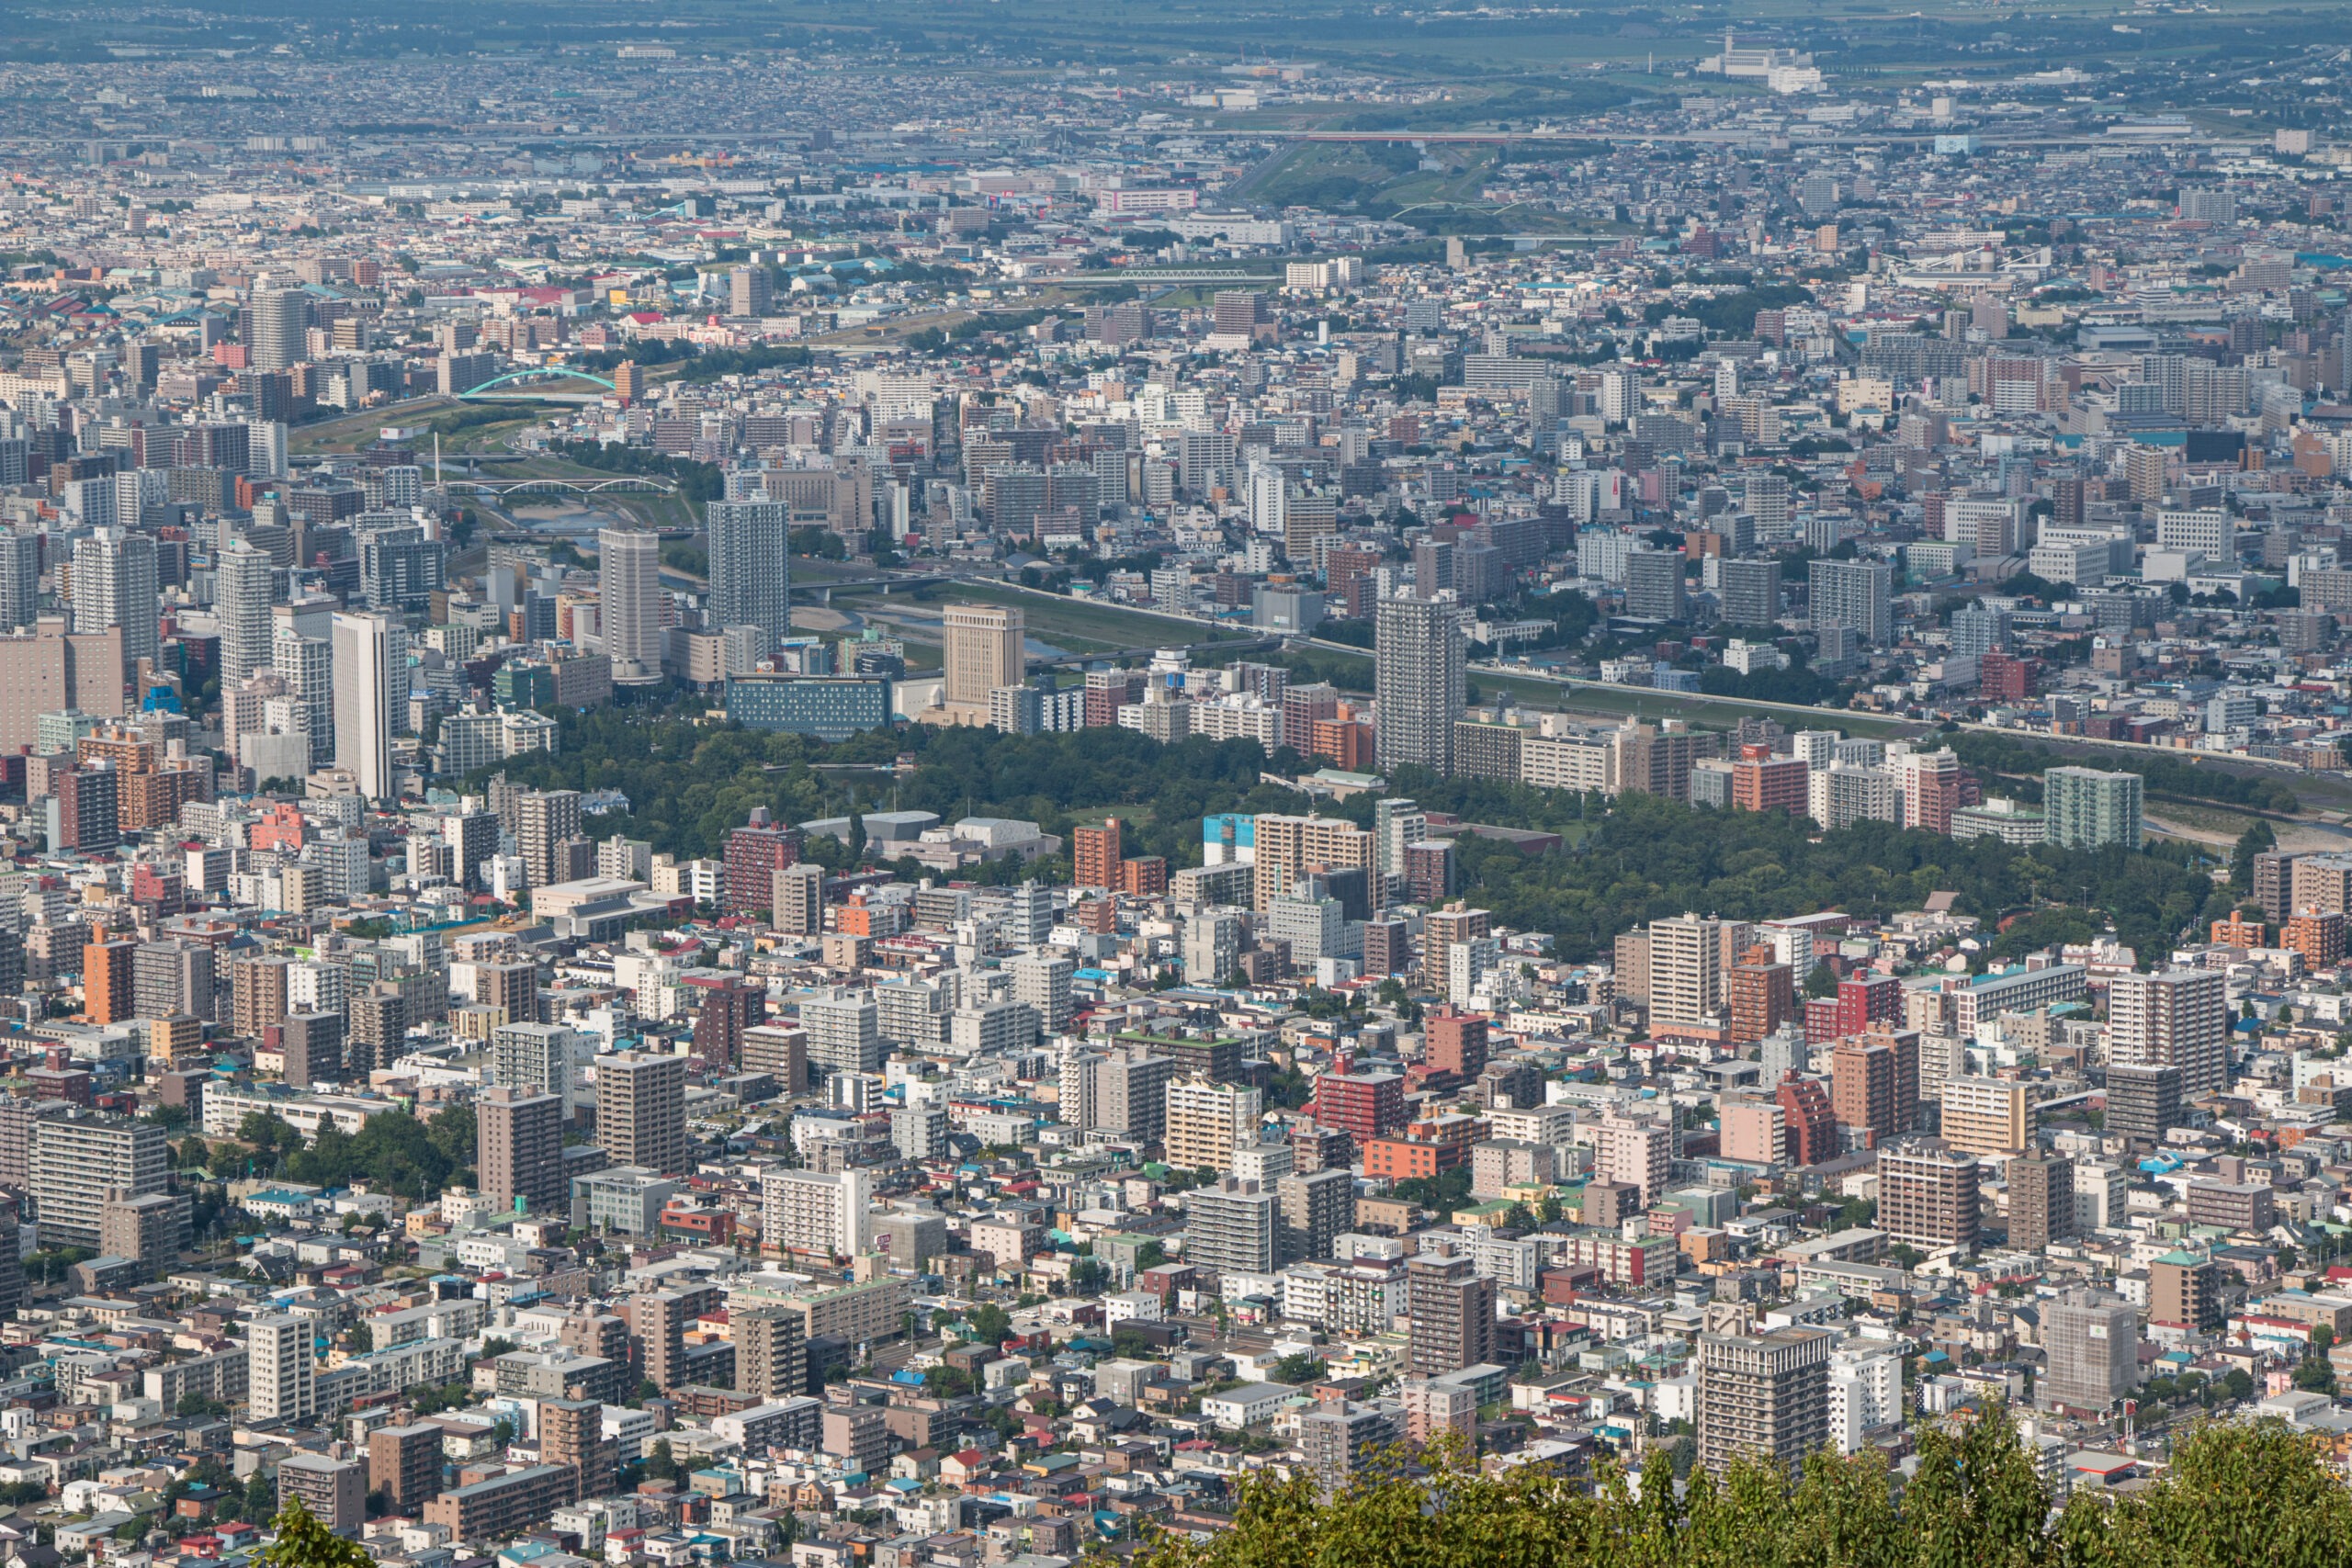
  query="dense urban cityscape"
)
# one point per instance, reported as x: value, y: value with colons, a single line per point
x: 984, y: 785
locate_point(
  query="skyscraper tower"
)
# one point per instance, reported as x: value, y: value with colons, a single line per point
x: 307, y: 663
x: 277, y: 322
x: 1419, y: 656
x: 751, y: 565
x: 370, y: 659
x: 628, y: 580
x: 243, y: 588
x: 114, y: 585
x: 19, y: 580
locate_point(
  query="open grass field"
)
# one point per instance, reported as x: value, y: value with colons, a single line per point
x: 1071, y: 624
x: 351, y: 432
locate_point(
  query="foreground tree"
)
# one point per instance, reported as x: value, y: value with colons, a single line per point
x: 303, y: 1541
x: 2237, y: 1495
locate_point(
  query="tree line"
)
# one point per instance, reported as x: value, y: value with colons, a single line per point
x: 2165, y: 774
x: 1624, y: 862
x: 2234, y: 1497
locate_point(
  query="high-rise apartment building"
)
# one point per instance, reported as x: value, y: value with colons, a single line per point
x: 2142, y: 1101
x: 657, y: 1321
x: 2178, y: 1018
x: 1987, y: 1116
x: 844, y: 1030
x: 750, y: 290
x: 1096, y: 851
x: 173, y: 978
x: 629, y: 583
x: 280, y: 1370
x: 520, y: 1136
x: 1290, y: 847
x: 1751, y: 591
x: 257, y: 992
x: 1637, y: 1152
x: 1207, y: 1120
x: 771, y: 1351
x: 1131, y: 1094
x: 1452, y: 1309
x: 370, y: 684
x: 114, y: 585
x: 1455, y: 1041
x: 1763, y: 998
x: 1928, y: 1196
x: 2083, y: 808
x: 815, y: 1213
x: 19, y: 580
x: 1685, y: 970
x: 1762, y: 1397
x: 642, y: 1109
x: 1313, y: 1208
x: 2090, y: 1353
x: 751, y: 566
x: 243, y: 589
x: 1654, y: 588
x: 513, y: 990
x: 730, y: 1007
x: 1340, y: 1440
x: 77, y: 1161
x: 1855, y: 594
x: 1041, y: 980
x: 1232, y: 1227
x: 2041, y: 1200
x: 109, y: 986
x: 2186, y: 1288
x: 278, y: 324
x: 1419, y: 681
x: 550, y: 820
x: 1362, y: 1105
x: 571, y: 1433
x: 332, y: 1491
x: 532, y: 1058
x: 799, y: 895
x: 404, y: 1464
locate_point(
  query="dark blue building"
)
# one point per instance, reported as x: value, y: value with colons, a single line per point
x: 831, y: 707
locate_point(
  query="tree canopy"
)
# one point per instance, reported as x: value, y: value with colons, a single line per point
x: 393, y: 1153
x: 2238, y: 1495
x: 1628, y: 859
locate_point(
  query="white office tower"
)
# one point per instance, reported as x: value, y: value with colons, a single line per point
x: 751, y: 566
x: 628, y: 580
x: 114, y: 585
x: 370, y: 662
x: 19, y: 580
x: 243, y: 588
x: 281, y: 1373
